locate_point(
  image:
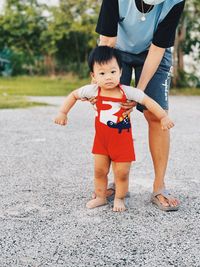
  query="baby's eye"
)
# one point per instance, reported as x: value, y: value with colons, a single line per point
x: 113, y: 71
x: 101, y: 73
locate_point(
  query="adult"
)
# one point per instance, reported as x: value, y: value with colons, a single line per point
x: 144, y: 32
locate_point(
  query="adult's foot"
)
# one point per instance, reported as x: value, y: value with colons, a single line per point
x: 173, y: 202
x: 164, y: 200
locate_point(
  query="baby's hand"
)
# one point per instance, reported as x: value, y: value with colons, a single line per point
x: 166, y: 123
x: 61, y: 119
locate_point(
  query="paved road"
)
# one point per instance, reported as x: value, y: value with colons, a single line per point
x: 46, y: 177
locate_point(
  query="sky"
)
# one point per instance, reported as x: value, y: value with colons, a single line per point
x: 1, y: 4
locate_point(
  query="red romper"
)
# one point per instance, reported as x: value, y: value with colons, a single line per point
x: 113, y: 135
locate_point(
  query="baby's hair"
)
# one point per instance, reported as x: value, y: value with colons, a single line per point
x: 103, y: 54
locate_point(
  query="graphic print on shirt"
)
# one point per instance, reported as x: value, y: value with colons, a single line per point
x: 124, y: 124
x: 113, y: 117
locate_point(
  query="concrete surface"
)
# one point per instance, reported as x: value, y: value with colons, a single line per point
x: 46, y: 177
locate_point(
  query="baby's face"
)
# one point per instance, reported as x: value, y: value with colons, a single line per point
x: 107, y: 75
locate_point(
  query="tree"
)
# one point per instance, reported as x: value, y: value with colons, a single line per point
x: 187, y: 37
x: 73, y: 26
x: 21, y: 28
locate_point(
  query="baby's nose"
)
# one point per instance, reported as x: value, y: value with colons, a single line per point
x: 108, y: 76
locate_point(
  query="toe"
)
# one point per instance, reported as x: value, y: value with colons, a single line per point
x: 88, y: 205
x: 173, y: 202
x: 163, y: 201
x: 114, y: 209
x: 176, y: 202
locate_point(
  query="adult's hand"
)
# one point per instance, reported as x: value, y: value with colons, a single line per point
x: 109, y: 41
x: 128, y: 106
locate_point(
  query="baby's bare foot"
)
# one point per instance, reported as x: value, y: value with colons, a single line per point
x: 97, y: 202
x: 119, y: 205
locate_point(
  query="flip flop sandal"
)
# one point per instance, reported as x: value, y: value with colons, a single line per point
x: 165, y: 193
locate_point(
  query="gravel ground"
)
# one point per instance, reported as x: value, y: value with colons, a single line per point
x: 46, y: 177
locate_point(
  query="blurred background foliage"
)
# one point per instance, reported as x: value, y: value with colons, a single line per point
x: 38, y: 39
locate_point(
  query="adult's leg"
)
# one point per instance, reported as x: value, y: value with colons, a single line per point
x: 159, y: 140
x: 159, y: 143
x: 101, y: 170
x: 121, y: 173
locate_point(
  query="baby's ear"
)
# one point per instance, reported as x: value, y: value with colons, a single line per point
x: 92, y: 77
x: 92, y: 74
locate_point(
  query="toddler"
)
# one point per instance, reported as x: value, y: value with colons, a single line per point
x: 113, y: 142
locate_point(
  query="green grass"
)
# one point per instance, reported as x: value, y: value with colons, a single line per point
x: 39, y: 86
x: 17, y: 102
x: 13, y: 90
x: 185, y: 91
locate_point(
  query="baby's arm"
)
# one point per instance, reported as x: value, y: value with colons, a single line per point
x: 158, y: 111
x: 69, y: 102
x: 140, y: 97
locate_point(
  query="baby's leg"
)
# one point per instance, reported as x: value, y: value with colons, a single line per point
x: 101, y: 170
x: 121, y: 173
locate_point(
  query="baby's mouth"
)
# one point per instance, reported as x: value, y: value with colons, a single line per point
x: 109, y: 83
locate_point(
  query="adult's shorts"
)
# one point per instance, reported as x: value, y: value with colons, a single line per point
x: 158, y: 86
